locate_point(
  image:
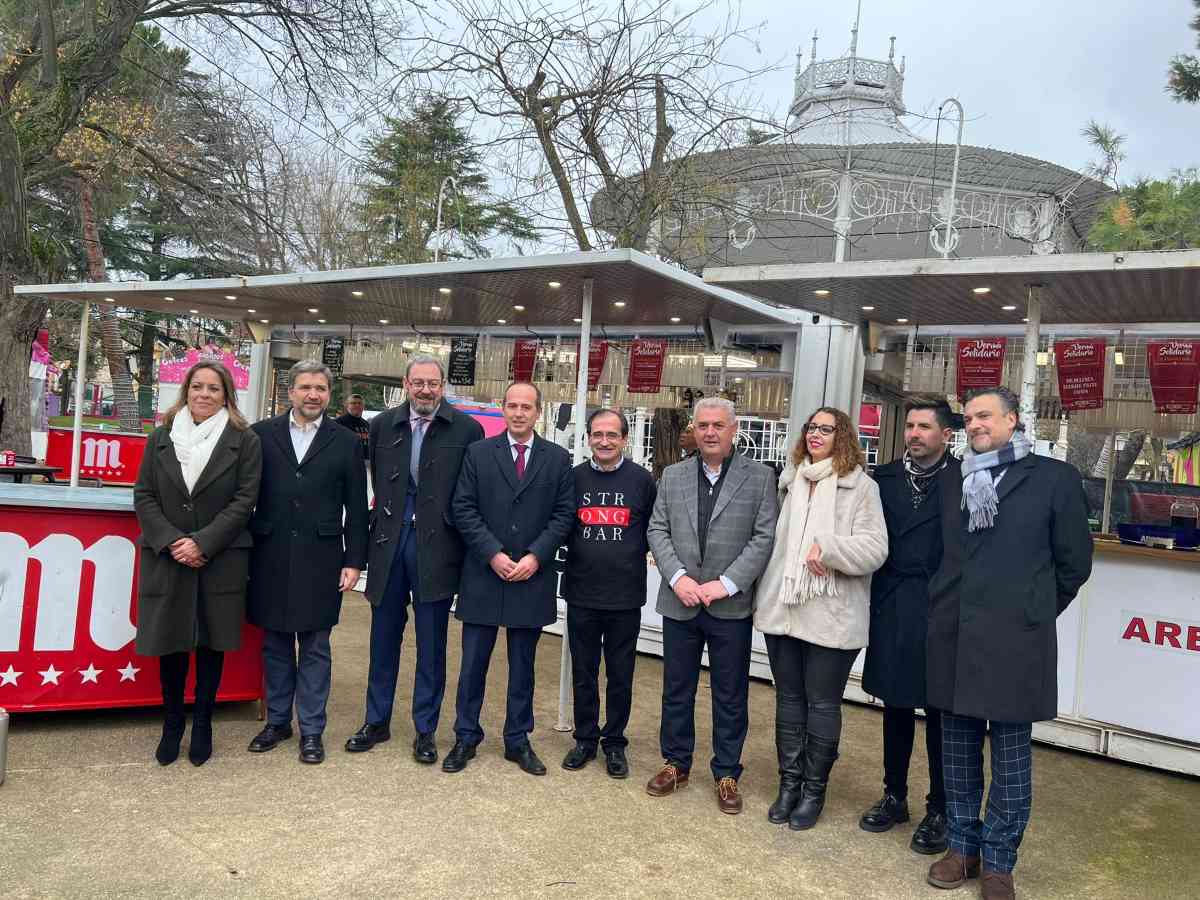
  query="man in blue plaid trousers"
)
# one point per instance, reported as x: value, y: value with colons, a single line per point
x: 1016, y: 552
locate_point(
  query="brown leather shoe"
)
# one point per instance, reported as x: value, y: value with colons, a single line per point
x: 953, y: 870
x: 668, y: 780
x: 997, y: 886
x: 728, y: 799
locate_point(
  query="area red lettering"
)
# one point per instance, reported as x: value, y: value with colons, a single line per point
x: 1136, y: 629
x: 1193, y: 641
x: 1167, y: 633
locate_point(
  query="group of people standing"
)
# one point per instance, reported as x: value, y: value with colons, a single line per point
x: 269, y: 523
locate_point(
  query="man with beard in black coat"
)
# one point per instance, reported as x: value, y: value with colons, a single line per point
x: 895, y: 665
x: 1016, y: 552
x: 310, y: 543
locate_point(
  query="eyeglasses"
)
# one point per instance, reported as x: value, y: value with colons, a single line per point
x: 824, y: 429
x: 419, y: 384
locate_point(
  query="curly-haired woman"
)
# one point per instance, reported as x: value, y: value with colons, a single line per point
x: 814, y: 604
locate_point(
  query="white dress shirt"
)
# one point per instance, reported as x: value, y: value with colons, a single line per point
x: 302, y: 434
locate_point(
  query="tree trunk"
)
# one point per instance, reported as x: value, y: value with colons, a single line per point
x: 668, y: 426
x: 110, y: 329
x: 145, y: 366
x: 49, y: 44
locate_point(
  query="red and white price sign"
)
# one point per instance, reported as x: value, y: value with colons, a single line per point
x: 646, y: 358
x: 980, y: 363
x: 1080, y: 367
x: 1174, y: 375
x: 525, y: 352
x: 597, y: 355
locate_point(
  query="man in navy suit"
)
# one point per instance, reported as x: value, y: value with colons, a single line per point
x: 514, y: 507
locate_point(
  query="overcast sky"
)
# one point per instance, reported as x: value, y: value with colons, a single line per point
x: 1029, y: 73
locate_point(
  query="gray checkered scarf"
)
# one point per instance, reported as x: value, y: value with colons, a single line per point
x: 979, y: 479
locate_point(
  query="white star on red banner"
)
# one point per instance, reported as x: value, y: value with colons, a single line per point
x: 129, y: 673
x: 50, y: 675
x: 91, y: 673
x: 10, y: 677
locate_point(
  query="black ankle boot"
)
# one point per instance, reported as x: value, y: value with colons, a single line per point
x: 819, y: 756
x: 789, y: 746
x: 208, y: 676
x: 172, y: 673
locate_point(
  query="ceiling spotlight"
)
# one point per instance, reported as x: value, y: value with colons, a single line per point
x: 252, y: 310
x: 619, y: 304
x: 435, y: 309
x: 357, y: 293
x: 502, y: 321
x: 1024, y: 320
x: 109, y: 300
x: 169, y: 299
x: 443, y: 290
x: 675, y: 319
x: 231, y: 296
x: 383, y: 321
x: 902, y: 321
x: 321, y: 321
x: 554, y: 284
x: 194, y: 312
x: 1008, y: 308
x: 518, y: 307
x: 868, y: 309
x: 313, y: 309
x: 577, y: 321
x: 981, y: 290
x: 265, y: 321
x: 821, y: 292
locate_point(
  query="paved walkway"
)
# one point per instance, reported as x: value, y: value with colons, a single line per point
x: 87, y: 813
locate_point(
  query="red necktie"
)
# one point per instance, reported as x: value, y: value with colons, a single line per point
x: 520, y: 448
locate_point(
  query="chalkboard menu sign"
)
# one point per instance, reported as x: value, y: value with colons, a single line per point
x: 333, y: 353
x: 282, y: 403
x: 463, y: 352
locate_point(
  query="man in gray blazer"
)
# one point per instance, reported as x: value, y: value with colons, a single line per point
x: 711, y: 533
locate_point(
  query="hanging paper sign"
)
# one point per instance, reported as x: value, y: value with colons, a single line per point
x: 525, y: 352
x: 1080, y: 367
x: 597, y: 354
x: 333, y: 353
x: 463, y: 353
x: 646, y: 358
x: 1174, y: 375
x: 980, y: 363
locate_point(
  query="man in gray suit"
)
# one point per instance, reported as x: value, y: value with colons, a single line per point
x: 711, y: 533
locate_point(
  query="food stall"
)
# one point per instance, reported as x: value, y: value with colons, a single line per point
x: 1129, y: 647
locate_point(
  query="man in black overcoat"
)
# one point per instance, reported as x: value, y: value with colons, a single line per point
x: 1016, y: 552
x: 310, y: 543
x: 415, y: 453
x: 514, y: 507
x: 895, y: 664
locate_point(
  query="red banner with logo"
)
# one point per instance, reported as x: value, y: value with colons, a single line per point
x: 646, y: 358
x: 67, y: 637
x: 525, y: 352
x: 980, y: 363
x: 1174, y: 375
x: 113, y: 457
x: 597, y: 355
x: 1080, y: 367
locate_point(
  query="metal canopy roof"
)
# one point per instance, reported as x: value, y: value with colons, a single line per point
x: 1077, y: 288
x: 477, y: 292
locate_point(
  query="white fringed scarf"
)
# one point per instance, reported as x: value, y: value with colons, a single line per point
x: 809, y: 514
x: 194, y: 443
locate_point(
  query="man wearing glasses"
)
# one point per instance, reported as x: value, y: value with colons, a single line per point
x: 415, y: 453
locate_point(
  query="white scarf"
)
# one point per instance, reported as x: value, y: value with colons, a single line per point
x: 808, y: 515
x: 194, y: 443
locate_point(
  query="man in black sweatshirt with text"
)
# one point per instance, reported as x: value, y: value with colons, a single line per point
x: 605, y: 588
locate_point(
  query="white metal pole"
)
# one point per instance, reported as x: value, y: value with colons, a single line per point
x: 1105, y: 519
x: 566, y: 712
x: 948, y: 245
x: 1029, y: 373
x: 80, y: 378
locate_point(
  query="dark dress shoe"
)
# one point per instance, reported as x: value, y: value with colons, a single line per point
x: 885, y: 814
x: 425, y: 749
x: 458, y: 757
x: 367, y: 737
x: 615, y: 763
x: 579, y: 756
x: 524, y: 757
x: 312, y: 751
x: 269, y: 737
x: 930, y: 837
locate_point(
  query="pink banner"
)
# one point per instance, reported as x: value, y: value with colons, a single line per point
x: 1080, y: 367
x: 980, y: 363
x: 1174, y: 375
x: 173, y: 369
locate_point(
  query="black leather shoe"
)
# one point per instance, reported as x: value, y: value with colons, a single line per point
x: 616, y: 764
x: 269, y: 737
x: 524, y: 757
x: 930, y: 837
x: 312, y: 751
x: 579, y: 756
x: 367, y: 737
x: 425, y: 749
x: 458, y: 757
x: 885, y: 814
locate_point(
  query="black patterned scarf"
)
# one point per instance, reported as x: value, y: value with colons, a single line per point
x: 921, y: 480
